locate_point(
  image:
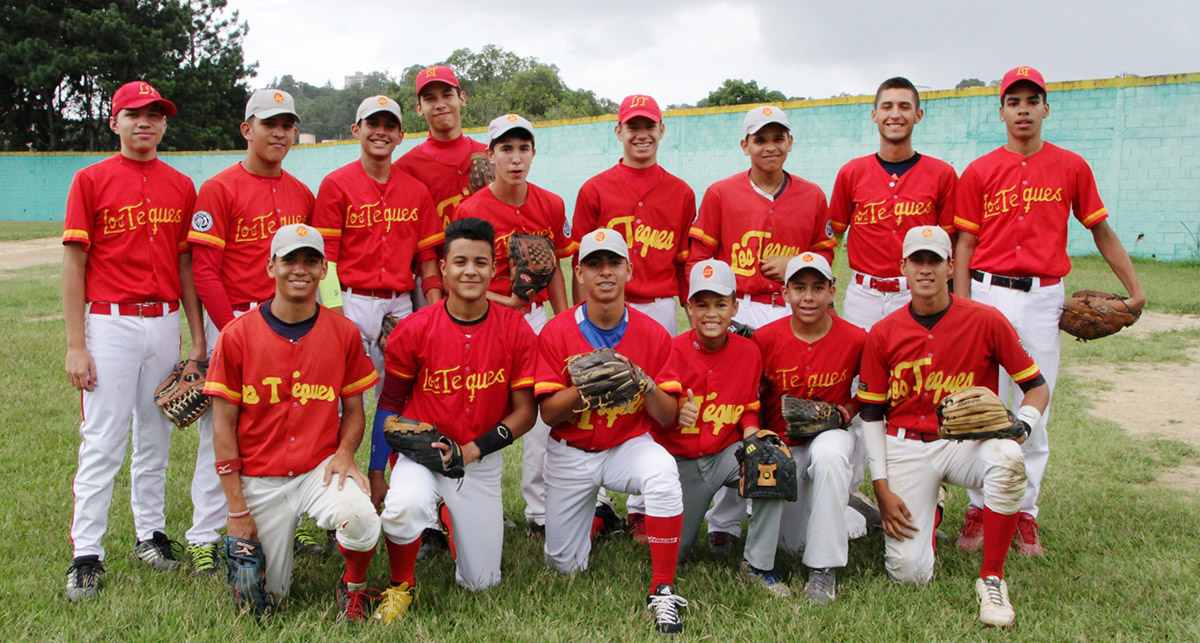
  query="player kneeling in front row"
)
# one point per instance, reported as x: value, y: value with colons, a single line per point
x: 913, y: 359
x: 600, y: 420
x: 720, y: 372
x: 277, y: 374
x: 460, y: 372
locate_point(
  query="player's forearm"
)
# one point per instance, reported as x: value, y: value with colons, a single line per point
x: 560, y: 406
x: 1114, y: 254
x: 1038, y: 398
x: 661, y: 406
x: 191, y: 307
x: 558, y: 292
x: 431, y: 281
x: 225, y: 450
x: 354, y: 421
x: 524, y: 412
x: 73, y: 282
x: 964, y: 250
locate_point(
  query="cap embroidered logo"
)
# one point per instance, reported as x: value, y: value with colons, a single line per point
x: 599, y: 236
x: 638, y: 101
x: 806, y: 258
x: 766, y: 111
x: 927, y: 233
x: 278, y: 97
x: 708, y: 272
x: 383, y: 100
x: 302, y: 231
x: 512, y: 118
x: 1022, y: 71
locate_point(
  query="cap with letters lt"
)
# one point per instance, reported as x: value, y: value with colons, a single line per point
x: 639, y: 105
x: 808, y: 260
x: 502, y: 125
x: 291, y: 238
x: 376, y: 104
x: 436, y: 74
x: 711, y: 275
x: 265, y: 103
x: 927, y: 237
x: 763, y: 115
x: 1019, y: 74
x: 603, y: 239
x: 139, y: 94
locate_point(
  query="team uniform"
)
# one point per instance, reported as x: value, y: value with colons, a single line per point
x: 461, y: 376
x: 287, y: 391
x: 822, y: 370
x: 236, y: 215
x: 1019, y: 208
x: 445, y: 168
x: 130, y: 218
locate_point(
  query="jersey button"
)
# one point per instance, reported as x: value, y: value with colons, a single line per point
x: 468, y: 369
x: 931, y: 336
x: 1024, y: 182
x: 1023, y: 163
x: 1020, y: 218
x: 291, y: 473
x: 518, y: 211
x: 639, y: 204
x: 295, y: 404
x: 468, y: 410
x: 1018, y: 247
x: 892, y: 184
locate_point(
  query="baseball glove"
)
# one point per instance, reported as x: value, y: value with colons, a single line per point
x: 808, y: 418
x: 1091, y: 314
x: 247, y: 575
x: 738, y: 328
x: 181, y: 396
x: 386, y: 327
x: 768, y: 470
x: 977, y: 413
x: 481, y: 173
x: 607, y: 379
x: 414, y: 440
x: 532, y: 263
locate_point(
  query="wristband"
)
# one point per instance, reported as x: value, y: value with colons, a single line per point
x: 431, y: 282
x: 494, y: 440
x: 1029, y: 416
x: 226, y: 467
x: 240, y: 514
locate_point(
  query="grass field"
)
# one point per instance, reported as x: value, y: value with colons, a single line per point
x: 21, y: 230
x: 1121, y: 561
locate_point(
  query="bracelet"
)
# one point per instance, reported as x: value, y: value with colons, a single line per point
x: 492, y: 441
x: 226, y: 467
x: 431, y: 282
x: 240, y: 514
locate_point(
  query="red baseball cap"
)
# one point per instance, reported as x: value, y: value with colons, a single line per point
x: 436, y: 74
x: 1019, y: 74
x: 137, y: 94
x: 639, y: 105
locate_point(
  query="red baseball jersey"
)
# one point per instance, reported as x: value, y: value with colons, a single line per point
x: 445, y: 168
x: 288, y: 391
x: 741, y: 227
x: 1019, y: 207
x: 878, y: 208
x: 655, y: 224
x: 645, y: 343
x: 130, y: 216
x: 542, y: 213
x: 822, y: 370
x: 725, y: 384
x: 237, y: 214
x: 375, y: 230
x: 462, y: 375
x: 910, y: 368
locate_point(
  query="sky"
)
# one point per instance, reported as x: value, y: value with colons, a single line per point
x: 678, y: 51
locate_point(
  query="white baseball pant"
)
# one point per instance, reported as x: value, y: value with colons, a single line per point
x: 367, y: 313
x: 661, y: 310
x: 816, y: 521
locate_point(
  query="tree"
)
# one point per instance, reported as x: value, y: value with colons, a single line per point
x: 969, y: 82
x: 741, y: 92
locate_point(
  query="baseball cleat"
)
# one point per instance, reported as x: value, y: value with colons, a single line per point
x: 822, y: 586
x: 1026, y: 538
x: 354, y: 600
x: 83, y: 578
x: 158, y: 552
x: 767, y: 578
x: 395, y: 603
x: 307, y: 543
x: 433, y: 542
x: 509, y: 523
x: 721, y: 543
x: 204, y: 559
x: 606, y: 511
x: 534, y: 530
x: 664, y: 605
x: 856, y: 524
x: 970, y: 536
x: 994, y: 607
x: 863, y: 504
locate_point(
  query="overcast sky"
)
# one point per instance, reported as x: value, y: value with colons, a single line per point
x: 678, y: 50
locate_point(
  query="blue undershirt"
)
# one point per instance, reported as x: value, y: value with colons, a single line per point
x: 600, y: 337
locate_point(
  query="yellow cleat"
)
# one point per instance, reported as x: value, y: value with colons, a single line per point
x: 395, y: 602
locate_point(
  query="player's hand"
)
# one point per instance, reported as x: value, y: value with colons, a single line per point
x: 434, y: 295
x: 81, y: 369
x: 774, y: 268
x: 510, y: 300
x: 897, y: 520
x: 1136, y: 303
x: 470, y: 453
x: 379, y: 489
x: 343, y: 466
x: 689, y: 411
x: 243, y: 527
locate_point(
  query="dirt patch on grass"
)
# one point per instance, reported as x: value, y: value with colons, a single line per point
x: 30, y: 252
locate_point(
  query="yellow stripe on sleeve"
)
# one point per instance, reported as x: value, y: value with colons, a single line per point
x: 1026, y: 374
x: 358, y: 386
x: 219, y: 389
x: 969, y: 226
x: 874, y: 398
x: 1095, y: 217
x: 206, y: 239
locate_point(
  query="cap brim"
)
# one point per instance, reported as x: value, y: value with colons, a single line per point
x: 634, y: 113
x: 287, y: 250
x: 167, y: 106
x: 507, y: 130
x: 713, y: 289
x: 268, y: 113
x: 759, y: 127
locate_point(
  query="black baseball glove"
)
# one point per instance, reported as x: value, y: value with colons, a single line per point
x: 414, y: 440
x: 768, y: 470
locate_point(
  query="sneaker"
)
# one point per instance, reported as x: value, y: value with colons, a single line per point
x: 83, y: 578
x: 509, y: 523
x: 307, y: 543
x: 867, y: 507
x: 637, y: 527
x: 721, y: 543
x: 1026, y: 538
x: 665, y: 605
x: 158, y: 552
x: 433, y: 542
x: 822, y: 586
x: 767, y: 578
x: 970, y: 536
x: 331, y: 539
x: 395, y: 602
x: 994, y: 606
x: 534, y: 530
x: 204, y: 559
x: 354, y: 600
x: 606, y: 511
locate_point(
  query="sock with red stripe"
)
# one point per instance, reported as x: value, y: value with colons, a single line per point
x: 444, y: 516
x: 663, y: 536
x: 998, y: 530
x: 402, y: 559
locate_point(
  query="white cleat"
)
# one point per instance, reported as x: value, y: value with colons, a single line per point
x: 994, y: 607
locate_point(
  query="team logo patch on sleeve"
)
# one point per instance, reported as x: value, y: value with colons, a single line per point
x: 829, y: 229
x: 566, y: 230
x: 202, y: 221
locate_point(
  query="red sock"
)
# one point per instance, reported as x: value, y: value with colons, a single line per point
x: 663, y: 536
x: 402, y: 559
x: 597, y: 527
x: 357, y: 563
x: 937, y: 522
x: 998, y: 532
x: 444, y: 515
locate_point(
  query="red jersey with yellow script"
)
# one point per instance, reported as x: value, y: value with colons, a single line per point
x: 130, y: 216
x: 287, y: 392
x: 542, y: 213
x: 1019, y: 207
x: 655, y: 224
x: 741, y: 227
x: 445, y: 168
x: 910, y: 368
x: 725, y: 385
x: 822, y: 370
x: 878, y: 208
x: 462, y: 375
x: 374, y: 230
x: 645, y: 343
x: 237, y: 214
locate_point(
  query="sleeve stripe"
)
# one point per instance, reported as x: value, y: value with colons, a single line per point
x: 354, y: 388
x: 332, y: 233
x: 874, y: 398
x: 839, y: 226
x: 542, y: 388
x: 431, y: 241
x: 568, y: 251
x: 1026, y: 374
x: 73, y: 234
x: 963, y: 224
x: 754, y: 406
x: 217, y: 388
x: 524, y: 382
x: 1095, y: 217
x: 671, y: 386
x: 698, y: 234
x: 206, y: 239
x: 184, y: 247
x: 825, y: 245
x: 407, y: 376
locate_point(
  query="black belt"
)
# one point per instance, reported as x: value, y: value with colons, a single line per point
x: 1024, y: 284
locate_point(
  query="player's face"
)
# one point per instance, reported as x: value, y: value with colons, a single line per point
x: 711, y: 313
x: 640, y: 136
x: 441, y: 105
x: 896, y: 113
x: 604, y: 276
x: 512, y: 158
x: 379, y: 134
x: 141, y: 130
x: 467, y: 269
x: 809, y: 294
x: 768, y: 148
x: 297, y: 274
x: 928, y: 274
x: 1023, y: 111
x: 269, y: 139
